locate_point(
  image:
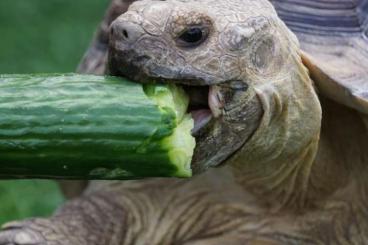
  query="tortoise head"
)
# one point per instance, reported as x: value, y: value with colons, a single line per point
x: 251, y: 97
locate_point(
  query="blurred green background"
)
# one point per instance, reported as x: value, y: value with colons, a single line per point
x: 38, y: 36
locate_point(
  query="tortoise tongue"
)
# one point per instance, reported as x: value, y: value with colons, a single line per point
x: 201, y: 118
x: 204, y: 104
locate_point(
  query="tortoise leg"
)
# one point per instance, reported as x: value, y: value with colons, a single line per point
x: 161, y: 211
x: 153, y: 211
x: 94, y: 219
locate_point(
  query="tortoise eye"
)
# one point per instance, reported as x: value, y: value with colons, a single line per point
x: 192, y: 36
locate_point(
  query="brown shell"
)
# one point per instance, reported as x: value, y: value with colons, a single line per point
x: 334, y: 37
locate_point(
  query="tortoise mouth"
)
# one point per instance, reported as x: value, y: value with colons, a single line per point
x: 204, y: 105
x: 214, y: 135
x: 198, y: 106
x: 204, y: 96
x: 205, y: 102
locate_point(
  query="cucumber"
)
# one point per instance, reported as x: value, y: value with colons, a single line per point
x: 72, y: 126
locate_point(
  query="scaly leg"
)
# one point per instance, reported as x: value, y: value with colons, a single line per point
x: 155, y: 211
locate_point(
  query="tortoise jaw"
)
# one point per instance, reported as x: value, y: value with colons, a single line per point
x: 223, y: 115
x: 204, y: 99
x: 215, y: 101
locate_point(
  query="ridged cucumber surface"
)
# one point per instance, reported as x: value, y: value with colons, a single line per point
x: 73, y: 126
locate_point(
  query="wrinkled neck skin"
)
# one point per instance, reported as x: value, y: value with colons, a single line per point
x: 275, y: 164
x: 296, y: 161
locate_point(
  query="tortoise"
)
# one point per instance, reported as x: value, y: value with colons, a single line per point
x: 282, y: 142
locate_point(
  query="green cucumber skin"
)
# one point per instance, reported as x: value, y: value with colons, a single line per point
x: 81, y: 127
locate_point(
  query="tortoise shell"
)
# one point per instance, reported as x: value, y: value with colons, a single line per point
x: 334, y: 36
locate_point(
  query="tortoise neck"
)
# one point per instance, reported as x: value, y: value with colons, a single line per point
x: 340, y: 163
x: 330, y: 167
x: 276, y: 163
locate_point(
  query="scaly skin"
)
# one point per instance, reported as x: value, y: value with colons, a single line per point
x: 290, y: 177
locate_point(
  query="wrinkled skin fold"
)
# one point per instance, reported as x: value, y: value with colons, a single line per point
x: 273, y: 167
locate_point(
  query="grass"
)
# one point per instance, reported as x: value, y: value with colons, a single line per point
x: 46, y: 36
x: 26, y: 198
x: 41, y: 36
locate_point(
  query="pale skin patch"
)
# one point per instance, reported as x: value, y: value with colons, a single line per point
x: 294, y: 180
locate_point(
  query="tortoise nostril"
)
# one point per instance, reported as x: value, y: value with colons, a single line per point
x: 125, y: 34
x: 126, y: 31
